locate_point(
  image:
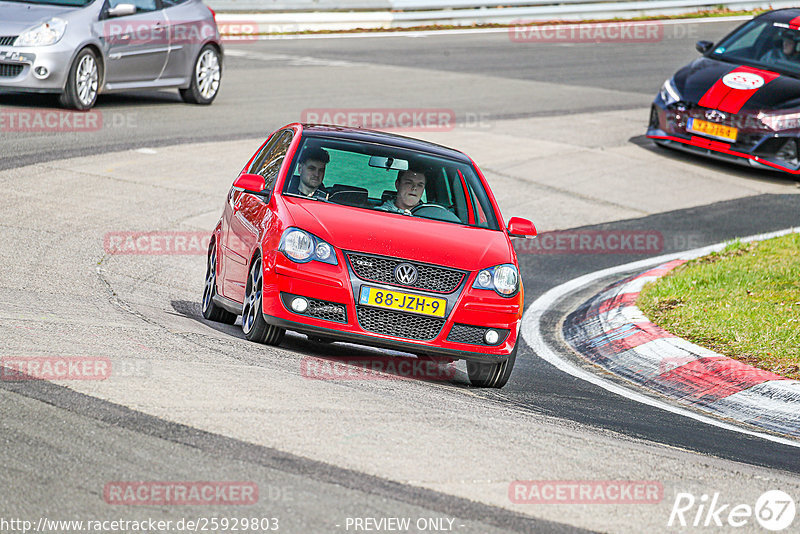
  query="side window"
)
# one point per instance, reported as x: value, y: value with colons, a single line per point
x: 268, y: 162
x: 172, y: 3
x: 141, y: 5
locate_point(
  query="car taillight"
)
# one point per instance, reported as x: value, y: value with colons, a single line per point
x: 213, y: 14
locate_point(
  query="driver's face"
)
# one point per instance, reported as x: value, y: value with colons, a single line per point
x: 409, y: 190
x: 788, y: 46
x: 312, y: 172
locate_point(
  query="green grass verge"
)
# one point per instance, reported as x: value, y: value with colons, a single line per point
x: 743, y: 302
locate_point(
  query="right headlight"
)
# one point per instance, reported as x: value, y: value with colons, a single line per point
x: 301, y: 246
x: 668, y: 93
x: 503, y: 279
x: 46, y: 33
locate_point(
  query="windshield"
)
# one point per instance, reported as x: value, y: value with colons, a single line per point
x: 767, y: 44
x: 389, y: 179
x: 70, y: 3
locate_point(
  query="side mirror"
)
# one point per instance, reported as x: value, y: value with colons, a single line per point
x: 250, y: 183
x: 519, y: 227
x: 122, y: 10
x: 703, y: 46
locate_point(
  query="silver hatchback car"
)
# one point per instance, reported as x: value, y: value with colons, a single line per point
x: 79, y: 48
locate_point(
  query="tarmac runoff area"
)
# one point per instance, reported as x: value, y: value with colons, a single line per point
x: 144, y: 309
x: 609, y: 331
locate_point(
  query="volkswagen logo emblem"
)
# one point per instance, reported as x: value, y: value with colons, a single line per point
x: 716, y: 116
x: 405, y: 273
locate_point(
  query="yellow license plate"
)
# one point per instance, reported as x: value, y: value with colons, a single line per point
x: 395, y: 300
x: 719, y: 131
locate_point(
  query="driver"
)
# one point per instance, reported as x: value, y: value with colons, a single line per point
x: 410, y: 185
x: 312, y: 171
x: 788, y: 49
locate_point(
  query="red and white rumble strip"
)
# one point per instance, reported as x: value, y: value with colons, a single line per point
x: 612, y: 332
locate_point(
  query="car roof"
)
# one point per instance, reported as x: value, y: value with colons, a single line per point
x: 372, y: 136
x: 781, y: 15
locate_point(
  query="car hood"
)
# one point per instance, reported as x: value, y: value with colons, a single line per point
x: 390, y: 234
x: 701, y: 82
x: 16, y: 17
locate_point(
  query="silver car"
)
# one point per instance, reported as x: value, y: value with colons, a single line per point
x: 79, y: 48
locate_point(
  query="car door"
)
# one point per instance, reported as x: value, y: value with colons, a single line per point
x: 248, y: 215
x: 136, y: 45
x: 190, y: 24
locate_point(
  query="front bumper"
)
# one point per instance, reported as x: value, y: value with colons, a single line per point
x: 756, y: 145
x: 332, y: 286
x: 17, y: 68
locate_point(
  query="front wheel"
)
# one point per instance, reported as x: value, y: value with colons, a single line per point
x: 206, y: 76
x: 82, y: 82
x: 254, y: 326
x: 492, y: 375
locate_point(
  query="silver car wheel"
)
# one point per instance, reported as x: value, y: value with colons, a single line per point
x: 207, y: 73
x: 252, y: 300
x: 86, y: 80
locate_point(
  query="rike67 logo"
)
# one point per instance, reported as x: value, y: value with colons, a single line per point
x: 774, y: 510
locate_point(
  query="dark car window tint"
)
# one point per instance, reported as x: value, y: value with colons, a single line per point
x: 269, y: 160
x: 172, y: 3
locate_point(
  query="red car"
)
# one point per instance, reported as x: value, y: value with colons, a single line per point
x: 353, y: 235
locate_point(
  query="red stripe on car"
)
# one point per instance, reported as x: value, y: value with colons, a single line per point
x: 795, y: 23
x: 730, y: 100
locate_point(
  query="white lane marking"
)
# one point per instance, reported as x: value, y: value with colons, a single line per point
x: 146, y: 151
x: 531, y: 333
x: 469, y: 31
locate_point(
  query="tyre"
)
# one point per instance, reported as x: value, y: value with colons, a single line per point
x: 491, y: 375
x: 83, y: 81
x: 254, y: 326
x: 206, y: 76
x: 211, y: 311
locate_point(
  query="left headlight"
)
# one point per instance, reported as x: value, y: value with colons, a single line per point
x: 301, y: 247
x: 46, y: 33
x: 668, y: 93
x: 504, y: 279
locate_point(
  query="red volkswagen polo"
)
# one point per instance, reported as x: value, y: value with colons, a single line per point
x: 353, y: 235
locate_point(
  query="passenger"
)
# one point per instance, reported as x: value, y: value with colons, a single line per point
x: 410, y: 185
x: 312, y: 171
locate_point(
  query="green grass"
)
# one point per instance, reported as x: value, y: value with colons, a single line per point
x: 743, y: 302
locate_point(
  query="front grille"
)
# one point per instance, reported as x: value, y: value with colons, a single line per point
x: 430, y: 277
x: 7, y: 40
x: 398, y: 324
x: 329, y: 311
x: 10, y: 71
x: 473, y: 335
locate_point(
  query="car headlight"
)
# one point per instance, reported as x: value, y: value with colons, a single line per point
x: 504, y: 279
x: 302, y: 247
x: 46, y: 33
x: 668, y: 93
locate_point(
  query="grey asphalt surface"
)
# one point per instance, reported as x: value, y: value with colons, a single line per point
x: 61, y: 447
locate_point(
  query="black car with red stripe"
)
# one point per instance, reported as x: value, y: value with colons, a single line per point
x: 741, y: 101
